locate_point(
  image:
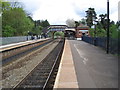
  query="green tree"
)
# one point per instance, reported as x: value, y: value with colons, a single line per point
x: 114, y: 31
x: 91, y: 32
x: 82, y: 21
x: 44, y: 23
x: 5, y: 6
x: 39, y: 25
x: 16, y: 18
x: 103, y: 21
x: 37, y: 30
x: 91, y: 16
x: 8, y: 31
x: 57, y: 34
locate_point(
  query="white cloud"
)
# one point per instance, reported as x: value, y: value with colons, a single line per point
x: 114, y: 16
x: 58, y: 11
x: 55, y: 11
x: 119, y: 11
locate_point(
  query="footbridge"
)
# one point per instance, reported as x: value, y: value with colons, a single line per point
x: 68, y: 31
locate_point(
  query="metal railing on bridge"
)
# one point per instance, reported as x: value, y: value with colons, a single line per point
x: 101, y: 42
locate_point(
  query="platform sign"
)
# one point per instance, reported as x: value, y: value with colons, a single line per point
x: 83, y: 31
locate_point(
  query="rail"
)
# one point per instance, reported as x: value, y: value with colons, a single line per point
x: 43, y: 75
x: 55, y: 66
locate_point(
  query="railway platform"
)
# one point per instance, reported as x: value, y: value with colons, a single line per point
x: 86, y: 66
x: 18, y: 44
x: 66, y: 77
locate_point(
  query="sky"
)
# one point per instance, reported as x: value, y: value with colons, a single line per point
x: 119, y: 11
x: 58, y: 11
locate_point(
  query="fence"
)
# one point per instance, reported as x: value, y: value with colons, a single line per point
x: 101, y: 42
x: 9, y: 40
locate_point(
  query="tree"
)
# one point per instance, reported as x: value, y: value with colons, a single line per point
x: 44, y: 23
x: 15, y: 18
x: 16, y: 5
x: 17, y: 22
x: 59, y: 34
x: 82, y: 21
x: 103, y: 21
x: 8, y: 31
x: 39, y: 25
x: 113, y: 31
x: 5, y: 6
x: 37, y: 30
x: 91, y: 16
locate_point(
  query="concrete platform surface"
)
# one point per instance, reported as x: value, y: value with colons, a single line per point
x: 94, y: 68
x: 66, y: 77
x: 86, y: 66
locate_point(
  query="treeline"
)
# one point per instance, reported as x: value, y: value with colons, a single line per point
x: 98, y: 25
x: 17, y: 22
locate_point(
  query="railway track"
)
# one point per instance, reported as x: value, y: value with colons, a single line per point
x: 12, y: 53
x: 43, y: 75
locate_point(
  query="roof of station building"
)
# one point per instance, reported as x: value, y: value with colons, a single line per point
x: 81, y: 26
x: 70, y: 29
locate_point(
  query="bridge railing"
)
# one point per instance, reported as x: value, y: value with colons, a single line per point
x: 101, y: 42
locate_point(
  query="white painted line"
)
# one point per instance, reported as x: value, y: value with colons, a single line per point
x: 84, y: 59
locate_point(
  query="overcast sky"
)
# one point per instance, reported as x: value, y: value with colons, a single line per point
x: 58, y: 11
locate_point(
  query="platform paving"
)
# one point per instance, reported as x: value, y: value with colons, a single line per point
x: 94, y: 68
x: 66, y: 77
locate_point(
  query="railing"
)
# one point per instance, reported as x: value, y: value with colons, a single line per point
x: 101, y: 42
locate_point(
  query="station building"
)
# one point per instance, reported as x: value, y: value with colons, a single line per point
x: 82, y: 30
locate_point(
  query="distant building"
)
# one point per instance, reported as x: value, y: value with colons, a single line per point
x: 82, y: 30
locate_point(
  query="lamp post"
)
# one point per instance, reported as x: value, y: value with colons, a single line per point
x: 108, y: 22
